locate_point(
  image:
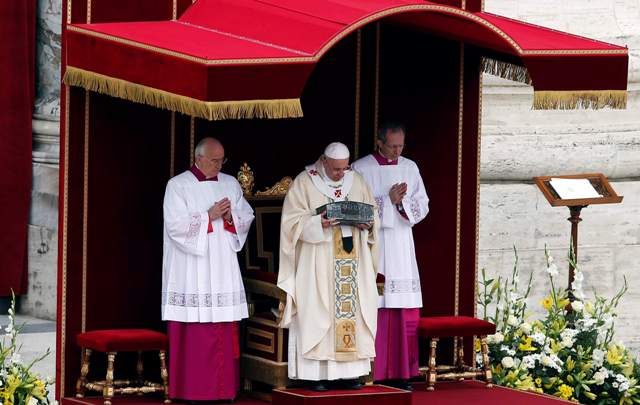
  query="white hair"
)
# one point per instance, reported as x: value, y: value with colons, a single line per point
x: 199, y: 150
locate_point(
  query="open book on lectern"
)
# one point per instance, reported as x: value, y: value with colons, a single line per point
x: 569, y: 189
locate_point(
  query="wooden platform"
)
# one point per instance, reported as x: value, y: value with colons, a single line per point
x: 370, y: 394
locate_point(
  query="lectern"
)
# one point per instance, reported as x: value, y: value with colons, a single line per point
x: 576, y: 191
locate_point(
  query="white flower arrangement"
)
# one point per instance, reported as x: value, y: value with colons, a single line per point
x: 569, y: 352
x: 19, y: 385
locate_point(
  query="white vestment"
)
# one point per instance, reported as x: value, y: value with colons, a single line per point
x: 201, y: 279
x: 309, y: 273
x: 396, y: 247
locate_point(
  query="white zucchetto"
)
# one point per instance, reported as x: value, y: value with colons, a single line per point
x: 336, y: 150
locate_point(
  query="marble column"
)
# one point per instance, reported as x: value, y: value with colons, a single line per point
x: 40, y: 300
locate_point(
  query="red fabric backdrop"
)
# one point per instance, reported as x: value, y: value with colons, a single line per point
x: 17, y: 28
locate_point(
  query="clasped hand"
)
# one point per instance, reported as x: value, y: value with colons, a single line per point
x: 397, y: 193
x: 221, y: 208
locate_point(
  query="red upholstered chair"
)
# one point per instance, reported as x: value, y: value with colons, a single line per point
x: 434, y: 328
x: 112, y: 341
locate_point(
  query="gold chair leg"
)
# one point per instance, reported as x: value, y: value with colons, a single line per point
x: 247, y: 385
x: 460, y: 359
x: 486, y: 366
x: 165, y: 375
x: 107, y: 391
x: 140, y: 370
x: 431, y: 374
x: 84, y: 370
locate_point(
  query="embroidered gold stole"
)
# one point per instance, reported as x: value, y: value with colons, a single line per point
x: 346, y: 296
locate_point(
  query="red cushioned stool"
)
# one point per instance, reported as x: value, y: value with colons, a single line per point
x: 436, y: 327
x: 112, y: 341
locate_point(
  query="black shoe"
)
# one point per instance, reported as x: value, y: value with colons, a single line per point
x: 404, y: 385
x: 318, y: 386
x: 353, y: 384
x: 400, y: 384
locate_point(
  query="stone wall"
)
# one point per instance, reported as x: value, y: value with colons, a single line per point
x: 519, y: 143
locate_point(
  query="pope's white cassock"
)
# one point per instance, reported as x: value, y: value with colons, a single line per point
x: 202, y: 291
x: 331, y: 294
x: 397, y: 349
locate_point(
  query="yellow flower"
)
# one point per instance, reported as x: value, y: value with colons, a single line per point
x: 39, y: 390
x: 538, y: 381
x: 565, y: 391
x: 12, y: 383
x: 512, y: 376
x: 525, y: 384
x: 588, y: 306
x: 563, y: 303
x: 614, y: 355
x: 476, y: 345
x: 526, y: 346
x: 555, y: 347
x: 547, y: 302
x: 558, y: 325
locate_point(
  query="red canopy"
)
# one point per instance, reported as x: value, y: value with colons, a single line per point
x: 251, y: 58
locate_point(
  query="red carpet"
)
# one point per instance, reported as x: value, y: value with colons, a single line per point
x: 446, y: 393
x: 476, y: 393
x: 147, y: 400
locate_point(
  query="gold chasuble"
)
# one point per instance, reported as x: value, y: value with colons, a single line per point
x: 331, y: 306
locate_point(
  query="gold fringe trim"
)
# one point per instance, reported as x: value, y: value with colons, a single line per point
x: 586, y: 99
x: 210, y: 110
x: 506, y: 70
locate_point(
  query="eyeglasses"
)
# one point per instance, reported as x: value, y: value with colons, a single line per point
x: 218, y: 162
x: 394, y: 146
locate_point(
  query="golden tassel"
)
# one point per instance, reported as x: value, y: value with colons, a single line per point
x: 585, y: 99
x: 210, y: 110
x: 506, y: 70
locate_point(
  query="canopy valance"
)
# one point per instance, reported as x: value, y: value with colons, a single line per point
x: 227, y: 59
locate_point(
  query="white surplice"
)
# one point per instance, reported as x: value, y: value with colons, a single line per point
x: 396, y: 247
x: 307, y: 274
x: 201, y: 280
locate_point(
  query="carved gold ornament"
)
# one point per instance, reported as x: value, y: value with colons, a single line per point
x: 246, y: 179
x: 278, y: 189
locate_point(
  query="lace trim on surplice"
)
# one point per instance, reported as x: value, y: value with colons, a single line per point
x: 399, y: 286
x: 204, y: 300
